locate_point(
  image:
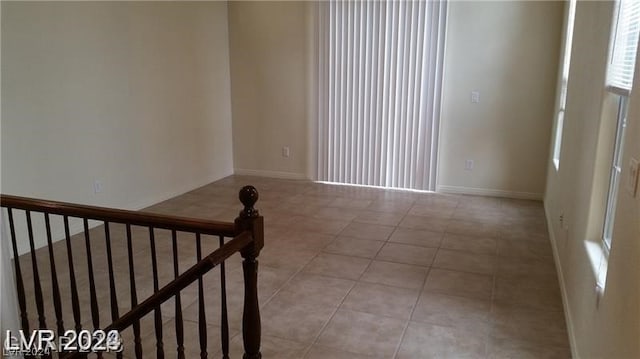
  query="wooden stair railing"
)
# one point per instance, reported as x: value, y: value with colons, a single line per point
x: 247, y: 237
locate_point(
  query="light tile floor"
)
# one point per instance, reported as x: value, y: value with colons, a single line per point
x: 352, y: 272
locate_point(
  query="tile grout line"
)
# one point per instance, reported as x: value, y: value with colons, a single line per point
x: 268, y: 300
x: 493, y: 291
x: 415, y: 304
x: 413, y: 309
x: 308, y: 348
x: 290, y: 279
x: 315, y: 341
x: 319, y: 192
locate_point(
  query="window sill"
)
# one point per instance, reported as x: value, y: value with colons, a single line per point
x: 599, y: 259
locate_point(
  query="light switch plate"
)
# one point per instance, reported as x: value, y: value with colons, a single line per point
x: 97, y: 186
x: 632, y: 177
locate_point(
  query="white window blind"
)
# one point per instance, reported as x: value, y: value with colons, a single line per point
x: 380, y: 76
x: 625, y: 44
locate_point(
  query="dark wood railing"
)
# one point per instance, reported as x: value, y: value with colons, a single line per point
x: 247, y: 237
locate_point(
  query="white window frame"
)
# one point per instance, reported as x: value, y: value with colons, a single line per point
x: 622, y: 59
x: 615, y: 174
x: 564, y: 84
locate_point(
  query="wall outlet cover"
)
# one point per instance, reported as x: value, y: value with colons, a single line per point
x: 468, y: 165
x: 475, y: 96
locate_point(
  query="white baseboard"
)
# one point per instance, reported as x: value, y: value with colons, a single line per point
x: 271, y: 174
x: 488, y: 192
x: 563, y: 288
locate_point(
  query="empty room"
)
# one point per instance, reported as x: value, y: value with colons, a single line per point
x: 320, y: 179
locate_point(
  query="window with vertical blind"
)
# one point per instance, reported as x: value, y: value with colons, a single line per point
x: 380, y: 78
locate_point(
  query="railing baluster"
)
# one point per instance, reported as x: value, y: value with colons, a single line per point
x: 247, y: 233
x: 112, y: 282
x: 134, y: 297
x: 36, y: 275
x: 178, y: 310
x: 95, y: 315
x: 158, y: 312
x: 202, y: 318
x: 54, y: 277
x: 224, y: 321
x: 75, y: 304
x: 24, y: 316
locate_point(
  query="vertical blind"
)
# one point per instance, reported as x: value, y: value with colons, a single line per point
x: 380, y: 79
x: 625, y: 44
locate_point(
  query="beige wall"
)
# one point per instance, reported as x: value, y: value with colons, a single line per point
x: 504, y: 49
x: 8, y: 300
x: 609, y: 326
x: 269, y: 82
x: 136, y: 95
x: 508, y: 51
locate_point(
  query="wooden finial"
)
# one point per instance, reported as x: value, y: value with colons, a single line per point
x: 248, y: 196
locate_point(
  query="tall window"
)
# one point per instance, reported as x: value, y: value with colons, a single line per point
x: 380, y: 75
x: 619, y: 80
x: 564, y: 82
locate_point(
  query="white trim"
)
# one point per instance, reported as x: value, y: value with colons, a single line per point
x: 312, y: 89
x: 618, y: 90
x: 438, y: 148
x: 271, y: 174
x: 488, y: 192
x: 563, y: 288
x: 437, y: 118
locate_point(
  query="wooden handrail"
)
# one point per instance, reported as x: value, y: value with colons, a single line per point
x: 247, y: 233
x: 135, y: 218
x: 185, y: 279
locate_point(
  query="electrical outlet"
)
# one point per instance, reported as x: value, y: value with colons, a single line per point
x: 468, y: 165
x: 632, y: 177
x: 475, y: 96
x: 97, y: 186
x: 285, y: 151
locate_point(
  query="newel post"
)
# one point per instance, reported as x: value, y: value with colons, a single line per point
x: 250, y: 220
